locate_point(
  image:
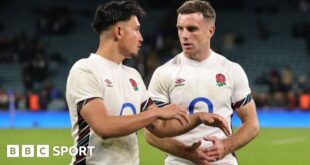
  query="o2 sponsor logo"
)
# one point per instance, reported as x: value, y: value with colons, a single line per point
x: 192, y: 104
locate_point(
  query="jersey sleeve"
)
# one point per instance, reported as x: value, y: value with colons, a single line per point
x: 84, y: 85
x: 158, y: 89
x: 241, y: 89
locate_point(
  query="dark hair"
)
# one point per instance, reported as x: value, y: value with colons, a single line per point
x: 198, y: 6
x: 115, y: 11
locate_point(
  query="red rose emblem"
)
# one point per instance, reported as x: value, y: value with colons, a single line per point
x: 220, y: 80
x: 179, y: 81
x: 134, y: 84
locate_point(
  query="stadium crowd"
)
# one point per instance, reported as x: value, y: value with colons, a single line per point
x: 285, y: 88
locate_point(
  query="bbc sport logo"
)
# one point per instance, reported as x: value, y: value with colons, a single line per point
x: 43, y: 151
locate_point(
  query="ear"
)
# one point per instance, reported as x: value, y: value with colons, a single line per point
x: 117, y: 32
x: 211, y: 30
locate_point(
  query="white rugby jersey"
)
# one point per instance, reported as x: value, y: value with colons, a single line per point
x: 123, y: 92
x: 212, y: 85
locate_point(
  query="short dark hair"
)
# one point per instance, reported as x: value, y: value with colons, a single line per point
x: 198, y: 6
x: 115, y: 11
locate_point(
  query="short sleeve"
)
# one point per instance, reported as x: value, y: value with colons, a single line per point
x: 84, y: 85
x: 158, y: 89
x: 241, y: 87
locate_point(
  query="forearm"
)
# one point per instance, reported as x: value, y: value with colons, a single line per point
x: 246, y: 133
x: 248, y: 130
x: 117, y: 126
x: 168, y: 145
x: 170, y: 128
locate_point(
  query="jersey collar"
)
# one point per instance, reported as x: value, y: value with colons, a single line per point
x: 196, y: 63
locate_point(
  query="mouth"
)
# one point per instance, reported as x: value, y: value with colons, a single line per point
x: 187, y: 45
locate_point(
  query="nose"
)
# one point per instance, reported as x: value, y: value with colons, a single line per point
x: 184, y: 34
x: 140, y: 38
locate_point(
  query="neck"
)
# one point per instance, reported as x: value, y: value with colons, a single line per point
x: 199, y: 56
x: 109, y: 50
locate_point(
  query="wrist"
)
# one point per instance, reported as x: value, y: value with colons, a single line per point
x: 186, y: 152
x: 154, y: 113
x: 228, y: 146
x: 199, y: 117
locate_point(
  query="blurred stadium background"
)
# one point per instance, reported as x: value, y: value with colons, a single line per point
x: 41, y: 39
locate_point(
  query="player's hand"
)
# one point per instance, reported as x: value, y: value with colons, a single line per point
x: 215, y: 120
x: 172, y: 111
x: 218, y: 150
x: 195, y: 154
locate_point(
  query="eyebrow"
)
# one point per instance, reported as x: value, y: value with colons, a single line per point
x: 188, y: 27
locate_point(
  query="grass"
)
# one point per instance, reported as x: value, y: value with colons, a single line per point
x: 272, y: 146
x: 277, y: 146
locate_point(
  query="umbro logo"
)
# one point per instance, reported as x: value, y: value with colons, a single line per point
x: 108, y: 83
x: 179, y: 82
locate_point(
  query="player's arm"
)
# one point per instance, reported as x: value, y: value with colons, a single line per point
x: 174, y: 147
x: 170, y: 128
x: 246, y: 110
x: 248, y: 131
x: 173, y: 127
x: 95, y: 114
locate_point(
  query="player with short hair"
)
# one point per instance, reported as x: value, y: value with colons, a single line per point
x: 105, y: 97
x: 203, y: 81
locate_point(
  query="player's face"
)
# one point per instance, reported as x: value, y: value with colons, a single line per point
x: 194, y: 33
x: 131, y: 41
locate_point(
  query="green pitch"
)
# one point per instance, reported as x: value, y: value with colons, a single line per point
x: 272, y: 146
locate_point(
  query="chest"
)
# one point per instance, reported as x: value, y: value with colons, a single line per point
x: 122, y: 92
x: 201, y: 87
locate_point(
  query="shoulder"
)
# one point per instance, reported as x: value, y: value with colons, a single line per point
x: 81, y: 64
x: 165, y: 73
x: 228, y: 64
x: 88, y: 65
x: 170, y: 66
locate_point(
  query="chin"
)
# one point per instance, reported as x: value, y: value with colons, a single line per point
x: 135, y: 54
x: 187, y: 52
x: 132, y: 55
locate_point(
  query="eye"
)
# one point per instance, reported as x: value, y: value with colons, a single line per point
x: 192, y: 28
x: 179, y: 28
